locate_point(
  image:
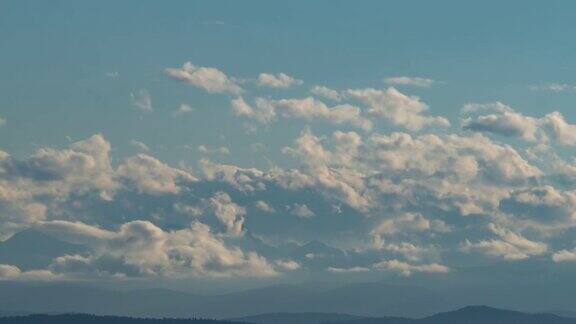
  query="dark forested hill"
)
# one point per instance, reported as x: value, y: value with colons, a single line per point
x: 473, y: 315
x: 92, y: 319
x: 300, y: 318
x: 466, y: 315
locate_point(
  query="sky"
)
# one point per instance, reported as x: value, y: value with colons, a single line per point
x: 197, y: 141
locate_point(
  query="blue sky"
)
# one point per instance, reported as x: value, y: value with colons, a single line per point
x: 56, y: 56
x: 447, y: 142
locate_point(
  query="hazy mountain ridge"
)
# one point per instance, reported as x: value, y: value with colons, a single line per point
x: 466, y: 315
x: 31, y: 249
x: 369, y: 299
x: 93, y: 319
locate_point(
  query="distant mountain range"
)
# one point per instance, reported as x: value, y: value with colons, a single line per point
x: 92, y: 319
x: 278, y: 303
x: 466, y: 315
x: 367, y: 299
x: 31, y: 249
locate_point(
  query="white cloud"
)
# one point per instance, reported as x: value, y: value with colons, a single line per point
x: 509, y: 245
x: 302, y: 211
x: 407, y: 269
x: 264, y: 206
x: 410, y: 192
x: 310, y: 108
x: 266, y: 110
x: 279, y: 80
x: 142, y: 100
x: 348, y: 270
x: 75, y: 232
x: 326, y: 92
x: 288, y: 265
x: 410, y: 81
x: 469, y: 173
x: 409, y: 222
x: 222, y: 150
x: 507, y: 122
x: 403, y: 224
x: 151, y: 176
x: 246, y: 180
x: 184, y: 109
x: 228, y: 213
x: 139, y: 145
x: 141, y: 249
x: 263, y: 110
x: 553, y: 87
x: 398, y: 108
x: 564, y: 256
x: 497, y: 106
x: 209, y: 79
x: 11, y: 272
x: 113, y: 74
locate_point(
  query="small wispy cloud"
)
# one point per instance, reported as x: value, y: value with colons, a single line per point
x: 112, y: 74
x: 222, y: 150
x: 410, y: 81
x: 553, y: 87
x: 142, y: 100
x: 184, y: 109
x: 139, y: 145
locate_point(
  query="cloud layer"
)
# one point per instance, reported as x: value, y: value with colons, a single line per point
x: 374, y: 172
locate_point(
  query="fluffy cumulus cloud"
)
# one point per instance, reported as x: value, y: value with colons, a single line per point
x: 142, y: 249
x: 414, y: 196
x: 507, y: 245
x: 149, y: 175
x: 326, y: 92
x: 406, y: 201
x: 266, y: 110
x: 505, y: 121
x: 279, y: 80
x: 209, y: 79
x: 564, y: 256
x: 229, y: 213
x: 466, y: 173
x: 262, y: 110
x: 264, y: 206
x: 398, y: 108
x: 51, y: 175
x: 403, y: 224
